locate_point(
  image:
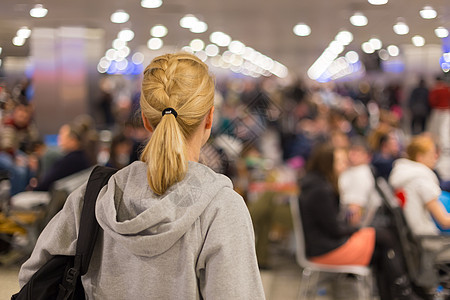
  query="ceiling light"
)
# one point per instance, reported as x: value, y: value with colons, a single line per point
x: 38, y: 11
x: 367, y: 48
x: 393, y: 50
x: 158, y: 31
x: 111, y: 54
x: 188, y: 21
x: 358, y: 19
x: 344, y: 37
x: 220, y: 38
x: 237, y: 47
x: 124, y: 52
x: 18, y: 41
x: 301, y: 29
x: 24, y: 32
x: 378, y: 2
x: 199, y: 27
x: 401, y: 28
x: 202, y: 55
x: 118, y: 44
x: 138, y: 58
x: 151, y: 3
x: 125, y: 35
x: 197, y: 44
x: 428, y: 13
x: 336, y: 47
x: 352, y: 57
x: 119, y: 16
x: 212, y: 50
x: 418, y: 40
x: 383, y: 54
x: 441, y: 32
x: 154, y: 43
x: 376, y: 43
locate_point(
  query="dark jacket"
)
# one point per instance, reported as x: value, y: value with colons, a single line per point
x: 319, y: 208
x: 69, y: 164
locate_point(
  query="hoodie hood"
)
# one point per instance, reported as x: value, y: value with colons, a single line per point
x: 405, y: 171
x: 148, y: 224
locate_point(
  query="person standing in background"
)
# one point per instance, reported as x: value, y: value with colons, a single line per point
x: 419, y: 107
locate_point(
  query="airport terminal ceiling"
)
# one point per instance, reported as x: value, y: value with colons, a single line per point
x: 266, y: 26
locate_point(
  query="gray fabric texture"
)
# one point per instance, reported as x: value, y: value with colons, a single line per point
x: 194, y: 242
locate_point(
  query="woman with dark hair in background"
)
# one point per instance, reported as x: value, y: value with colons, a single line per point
x: 331, y: 241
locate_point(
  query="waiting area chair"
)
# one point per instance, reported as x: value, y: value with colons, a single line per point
x: 311, y: 271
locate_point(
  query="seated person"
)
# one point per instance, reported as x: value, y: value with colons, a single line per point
x: 414, y: 175
x: 386, y: 150
x: 329, y: 240
x: 357, y: 185
x: 120, y: 151
x: 70, y: 140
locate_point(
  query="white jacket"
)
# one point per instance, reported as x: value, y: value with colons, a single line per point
x: 420, y: 185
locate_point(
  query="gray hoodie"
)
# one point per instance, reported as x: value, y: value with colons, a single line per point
x: 194, y: 242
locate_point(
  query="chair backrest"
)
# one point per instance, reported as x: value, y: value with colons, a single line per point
x: 300, y: 253
x: 60, y: 191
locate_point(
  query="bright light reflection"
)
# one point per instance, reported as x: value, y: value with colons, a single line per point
x: 202, y: 55
x: 197, y: 44
x: 376, y: 43
x: 367, y: 48
x: 151, y: 3
x: 118, y: 44
x: 393, y: 50
x: 24, y: 32
x: 199, y: 27
x: 352, y: 57
x: 237, y: 47
x: 158, y: 31
x: 428, y: 13
x: 138, y: 58
x: 358, y: 19
x: 188, y: 21
x: 418, y: 40
x: 38, y: 11
x: 378, y: 2
x: 212, y: 50
x: 220, y: 38
x: 301, y: 29
x: 18, y: 41
x: 120, y: 16
x: 154, y: 43
x: 401, y: 28
x: 441, y: 32
x: 344, y: 37
x: 383, y: 54
x: 126, y: 35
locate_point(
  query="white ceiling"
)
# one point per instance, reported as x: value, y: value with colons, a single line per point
x: 261, y: 24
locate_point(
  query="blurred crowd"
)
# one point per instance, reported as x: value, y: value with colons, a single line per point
x: 263, y: 135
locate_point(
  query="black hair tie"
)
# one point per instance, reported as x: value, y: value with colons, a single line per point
x: 169, y: 111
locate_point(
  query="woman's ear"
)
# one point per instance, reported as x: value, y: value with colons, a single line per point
x: 147, y: 125
x: 209, y: 118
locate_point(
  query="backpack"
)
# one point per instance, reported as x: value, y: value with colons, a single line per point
x: 60, y: 277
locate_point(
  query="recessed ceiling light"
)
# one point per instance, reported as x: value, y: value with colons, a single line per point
x: 125, y: 35
x: 197, y: 44
x: 344, y: 37
x: 158, y: 31
x: 18, y: 41
x: 199, y: 27
x: 24, y: 32
x: 138, y: 58
x: 120, y: 16
x: 428, y: 13
x: 393, y: 50
x: 376, y: 43
x: 441, y: 32
x: 352, y: 57
x: 188, y: 21
x: 38, y: 11
x: 401, y: 28
x: 151, y: 3
x: 378, y: 2
x: 155, y: 43
x: 301, y: 29
x: 367, y: 48
x: 418, y: 40
x: 358, y: 19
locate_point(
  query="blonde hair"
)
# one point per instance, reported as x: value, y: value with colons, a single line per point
x: 419, y: 145
x: 182, y: 82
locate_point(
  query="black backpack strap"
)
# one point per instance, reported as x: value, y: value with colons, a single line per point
x: 89, y: 227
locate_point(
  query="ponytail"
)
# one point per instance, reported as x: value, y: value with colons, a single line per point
x: 177, y: 93
x: 165, y: 155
